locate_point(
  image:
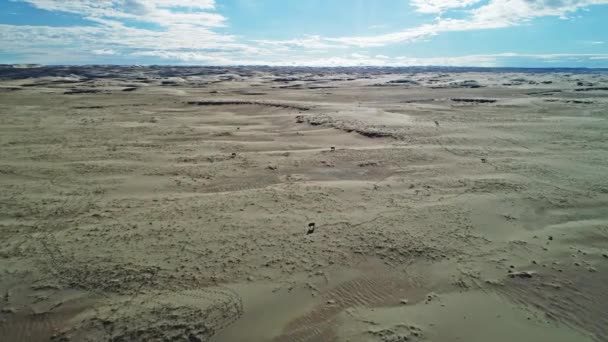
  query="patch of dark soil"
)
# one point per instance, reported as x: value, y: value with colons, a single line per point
x: 252, y: 93
x: 321, y: 87
x: 592, y: 89
x: 294, y: 86
x: 580, y: 102
x: 82, y: 91
x: 474, y: 100
x: 546, y: 92
x: 411, y: 82
x: 472, y: 84
x: 253, y: 103
x: 349, y: 126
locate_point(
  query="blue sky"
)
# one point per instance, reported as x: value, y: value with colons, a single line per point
x: 518, y: 33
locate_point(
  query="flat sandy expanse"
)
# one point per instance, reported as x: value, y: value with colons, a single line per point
x: 303, y: 205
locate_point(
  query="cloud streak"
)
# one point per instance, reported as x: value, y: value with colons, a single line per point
x: 439, y: 6
x: 189, y: 31
x: 161, y: 12
x: 493, y: 15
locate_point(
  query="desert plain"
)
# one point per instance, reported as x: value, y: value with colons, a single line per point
x: 303, y: 204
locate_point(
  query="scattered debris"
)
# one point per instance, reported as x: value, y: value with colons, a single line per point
x: 369, y: 163
x: 430, y: 297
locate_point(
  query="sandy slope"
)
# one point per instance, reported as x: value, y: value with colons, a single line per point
x: 447, y: 207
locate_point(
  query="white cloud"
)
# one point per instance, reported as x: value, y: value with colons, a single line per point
x: 351, y: 60
x: 181, y: 25
x: 359, y: 59
x: 186, y: 31
x: 187, y: 56
x: 114, y: 37
x: 155, y: 11
x: 493, y: 15
x: 200, y: 4
x: 108, y: 52
x: 439, y: 6
x: 308, y: 42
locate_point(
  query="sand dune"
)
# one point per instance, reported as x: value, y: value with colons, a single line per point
x: 148, y: 204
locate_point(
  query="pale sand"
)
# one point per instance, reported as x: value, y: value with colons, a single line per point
x: 177, y: 208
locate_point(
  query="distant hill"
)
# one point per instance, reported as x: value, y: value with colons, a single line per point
x: 22, y: 71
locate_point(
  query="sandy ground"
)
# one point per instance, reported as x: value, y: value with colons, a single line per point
x: 305, y: 205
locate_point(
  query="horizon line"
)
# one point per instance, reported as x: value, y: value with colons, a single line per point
x: 39, y: 65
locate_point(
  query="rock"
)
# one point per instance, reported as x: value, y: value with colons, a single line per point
x: 552, y: 285
x: 404, y: 301
x: 194, y: 338
x: 523, y: 274
x: 8, y: 310
x: 331, y: 302
x: 311, y: 228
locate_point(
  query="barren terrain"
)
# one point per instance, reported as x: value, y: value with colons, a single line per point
x: 260, y: 204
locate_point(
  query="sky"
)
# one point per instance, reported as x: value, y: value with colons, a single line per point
x: 487, y: 33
